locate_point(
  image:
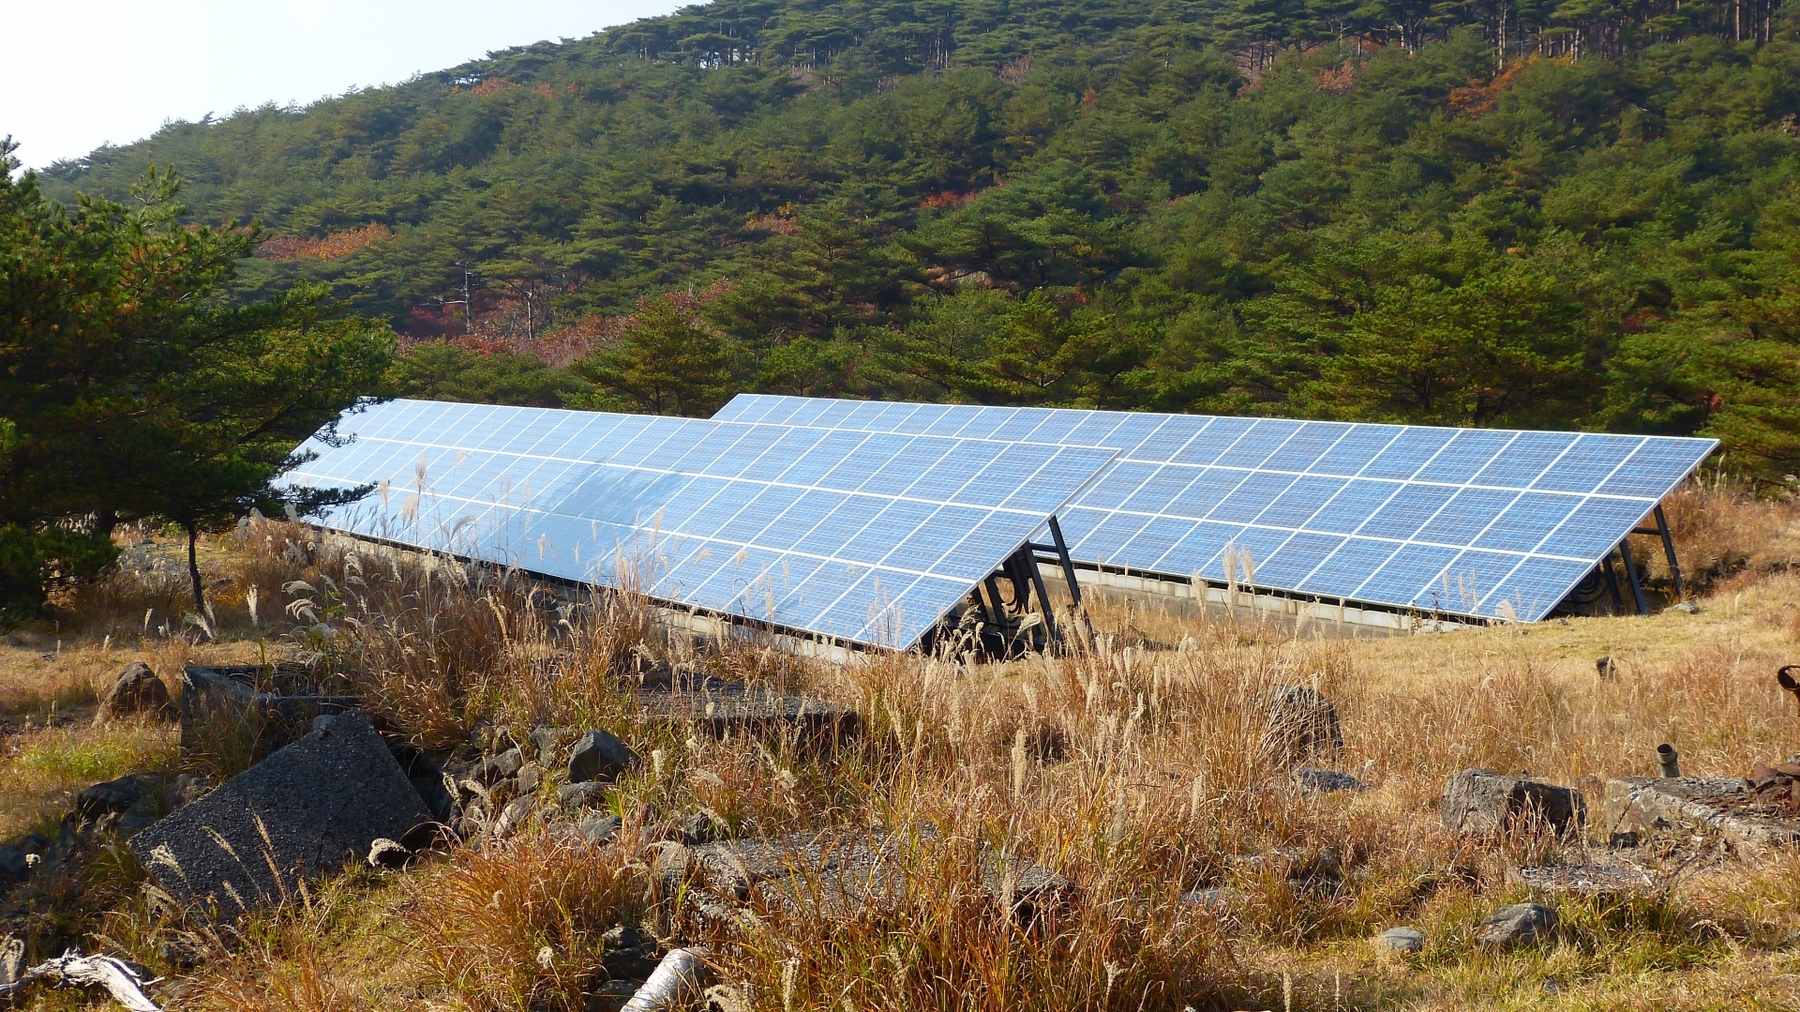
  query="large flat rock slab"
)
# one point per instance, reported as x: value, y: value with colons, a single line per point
x: 1642, y: 808
x: 1485, y: 803
x: 718, y: 707
x: 836, y: 873
x: 301, y: 812
x: 244, y: 711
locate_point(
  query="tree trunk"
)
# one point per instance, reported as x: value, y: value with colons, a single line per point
x: 193, y: 534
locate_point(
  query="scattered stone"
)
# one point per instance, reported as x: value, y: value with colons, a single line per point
x: 629, y: 952
x: 1484, y: 803
x: 1216, y: 900
x: 581, y: 795
x: 528, y: 778
x: 120, y: 795
x: 504, y: 766
x: 611, y: 995
x: 835, y: 874
x: 137, y: 690
x: 600, y: 829
x: 1400, y: 942
x: 718, y: 707
x: 305, y: 810
x: 15, y: 865
x: 437, y: 796
x: 1641, y: 808
x: 700, y: 827
x: 1518, y: 924
x: 514, y: 815
x: 598, y: 755
x: 386, y: 853
x: 1302, y: 727
x: 1686, y: 608
x: 250, y: 710
x: 1321, y: 781
x: 1592, y: 879
x: 545, y: 739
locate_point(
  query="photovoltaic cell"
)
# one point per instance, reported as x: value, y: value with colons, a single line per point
x: 1480, y: 522
x: 866, y: 536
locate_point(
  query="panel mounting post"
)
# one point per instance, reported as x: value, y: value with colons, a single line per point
x: 1052, y: 637
x: 1612, y: 582
x: 1662, y: 527
x: 1631, y: 576
x: 1062, y: 556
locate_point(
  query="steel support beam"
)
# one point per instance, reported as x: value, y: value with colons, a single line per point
x: 1662, y: 527
x: 1631, y: 576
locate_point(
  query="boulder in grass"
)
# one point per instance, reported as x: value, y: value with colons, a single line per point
x: 1485, y: 803
x: 121, y: 795
x: 1518, y: 924
x: 1400, y: 941
x: 136, y: 690
x: 306, y: 810
x: 1301, y: 727
x: 599, y: 755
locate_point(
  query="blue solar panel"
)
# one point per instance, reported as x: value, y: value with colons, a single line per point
x: 1492, y: 523
x: 866, y: 536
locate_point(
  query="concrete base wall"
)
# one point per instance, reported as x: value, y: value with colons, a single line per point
x: 1200, y: 600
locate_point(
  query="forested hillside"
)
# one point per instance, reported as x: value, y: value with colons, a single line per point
x: 1503, y: 214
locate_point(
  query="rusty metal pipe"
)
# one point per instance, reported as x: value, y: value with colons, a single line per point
x: 1669, y: 760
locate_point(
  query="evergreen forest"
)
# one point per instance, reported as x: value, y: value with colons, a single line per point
x: 1505, y: 214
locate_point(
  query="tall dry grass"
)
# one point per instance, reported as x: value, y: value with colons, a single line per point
x: 1133, y: 765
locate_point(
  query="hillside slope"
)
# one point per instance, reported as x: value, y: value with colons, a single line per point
x: 1378, y: 214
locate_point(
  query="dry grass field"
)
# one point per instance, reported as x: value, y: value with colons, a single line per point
x: 1134, y: 765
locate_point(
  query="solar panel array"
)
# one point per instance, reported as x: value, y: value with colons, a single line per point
x: 1478, y: 522
x: 865, y: 536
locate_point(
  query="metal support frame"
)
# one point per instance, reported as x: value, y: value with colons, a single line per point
x: 1661, y: 532
x: 1662, y: 526
x: 1612, y: 582
x: 1000, y: 612
x: 1631, y: 576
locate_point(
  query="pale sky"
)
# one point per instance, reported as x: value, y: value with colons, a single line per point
x: 75, y: 74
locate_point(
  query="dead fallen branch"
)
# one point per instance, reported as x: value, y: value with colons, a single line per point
x: 72, y: 969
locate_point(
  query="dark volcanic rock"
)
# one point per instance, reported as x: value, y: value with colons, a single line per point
x: 305, y: 810
x: 1484, y: 803
x: 121, y: 795
x: 137, y: 690
x: 600, y: 829
x: 699, y: 827
x: 579, y: 795
x: 1302, y: 726
x: 1518, y: 924
x: 15, y: 865
x: 250, y: 709
x: 1318, y: 781
x: 599, y: 755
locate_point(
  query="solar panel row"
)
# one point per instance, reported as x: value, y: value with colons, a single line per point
x: 1478, y: 522
x: 868, y: 537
